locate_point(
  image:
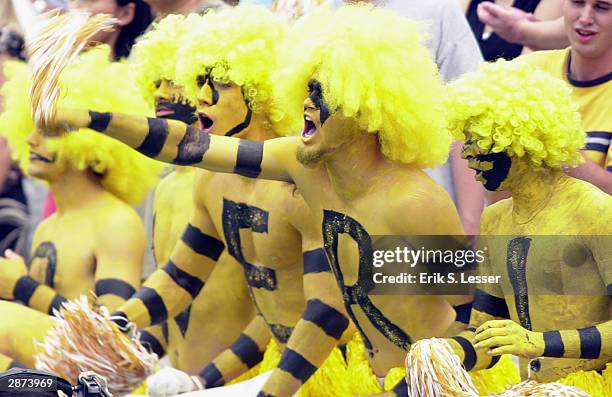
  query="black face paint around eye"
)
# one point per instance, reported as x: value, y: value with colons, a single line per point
x: 315, y: 93
x: 494, y: 177
x: 181, y: 111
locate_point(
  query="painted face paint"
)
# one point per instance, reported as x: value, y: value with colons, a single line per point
x: 220, y: 104
x: 182, y: 111
x: 315, y: 93
x: 491, y: 168
x: 498, y: 173
x: 171, y: 104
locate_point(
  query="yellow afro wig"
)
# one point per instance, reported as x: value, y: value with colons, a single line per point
x: 239, y: 44
x: 153, y: 57
x: 513, y: 107
x: 372, y: 67
x: 91, y: 83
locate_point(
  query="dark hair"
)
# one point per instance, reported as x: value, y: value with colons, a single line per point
x: 143, y: 16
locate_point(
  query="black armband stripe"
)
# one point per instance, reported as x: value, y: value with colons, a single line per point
x: 121, y: 319
x: 401, y: 388
x: 610, y: 290
x: 155, y: 139
x: 590, y: 342
x: 114, y: 286
x: 249, y: 158
x: 494, y: 360
x: 201, y: 243
x: 16, y: 364
x: 468, y: 350
x: 553, y: 344
x: 99, y: 121
x: 56, y: 303
x: 330, y: 320
x: 151, y: 343
x: 296, y: 365
x: 154, y: 303
x: 24, y: 289
x: 186, y: 281
x: 247, y: 351
x: 463, y: 312
x: 192, y: 147
x: 212, y: 376
x: 264, y: 394
x: 315, y: 261
x: 490, y: 304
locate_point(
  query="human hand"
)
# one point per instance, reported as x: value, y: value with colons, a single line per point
x: 12, y: 268
x: 507, y: 337
x: 170, y: 381
x: 508, y: 22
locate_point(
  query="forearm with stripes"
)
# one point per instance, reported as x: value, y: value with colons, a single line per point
x: 153, y: 339
x: 170, y: 289
x: 314, y: 336
x: 484, y: 307
x: 38, y: 296
x: 245, y: 353
x: 592, y: 342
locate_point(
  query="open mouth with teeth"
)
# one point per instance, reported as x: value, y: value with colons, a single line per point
x: 38, y: 157
x: 309, y: 128
x: 206, y: 122
x: 585, y: 35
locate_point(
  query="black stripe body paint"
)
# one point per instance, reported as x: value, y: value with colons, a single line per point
x: 192, y: 147
x: 189, y: 283
x: 330, y: 320
x: 247, y: 351
x: 114, y: 286
x: 154, y: 304
x: 249, y: 158
x: 490, y: 304
x: 155, y: 139
x: 202, y: 243
x: 315, y: 261
x: 468, y: 349
x: 295, y: 364
x: 99, y: 121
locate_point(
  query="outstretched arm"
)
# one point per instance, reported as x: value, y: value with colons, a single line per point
x: 172, y: 141
x: 170, y: 289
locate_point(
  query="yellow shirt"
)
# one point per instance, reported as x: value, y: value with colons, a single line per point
x: 594, y: 97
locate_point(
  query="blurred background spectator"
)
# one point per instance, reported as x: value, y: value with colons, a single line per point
x: 491, y: 44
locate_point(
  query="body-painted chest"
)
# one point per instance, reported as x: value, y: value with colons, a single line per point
x: 63, y: 258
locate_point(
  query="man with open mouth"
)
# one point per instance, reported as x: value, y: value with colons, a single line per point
x: 263, y: 225
x: 194, y: 336
x: 95, y: 241
x: 372, y: 121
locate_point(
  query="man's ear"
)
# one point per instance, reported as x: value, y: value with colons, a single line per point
x: 125, y: 14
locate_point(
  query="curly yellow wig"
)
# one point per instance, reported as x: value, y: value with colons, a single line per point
x: 513, y: 107
x: 372, y: 67
x: 153, y: 57
x: 239, y: 45
x: 124, y: 172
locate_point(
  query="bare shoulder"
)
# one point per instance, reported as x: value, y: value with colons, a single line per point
x: 492, y: 213
x: 118, y: 218
x: 425, y: 203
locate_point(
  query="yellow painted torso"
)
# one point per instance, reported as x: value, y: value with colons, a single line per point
x: 271, y: 243
x: 578, y: 211
x: 71, y: 239
x: 382, y: 211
